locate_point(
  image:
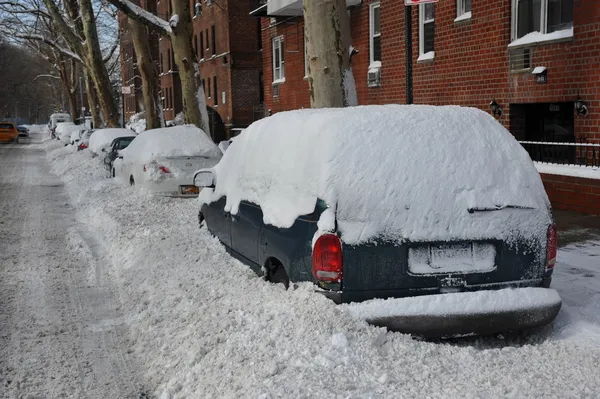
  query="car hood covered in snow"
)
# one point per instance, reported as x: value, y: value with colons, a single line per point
x: 393, y: 172
x: 103, y: 137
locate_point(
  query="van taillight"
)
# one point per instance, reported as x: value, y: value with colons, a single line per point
x: 551, y: 251
x: 327, y: 258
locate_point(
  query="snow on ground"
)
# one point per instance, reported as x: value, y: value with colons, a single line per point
x: 203, y: 325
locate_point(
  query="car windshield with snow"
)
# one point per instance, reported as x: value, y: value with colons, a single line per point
x: 384, y: 202
x: 164, y: 160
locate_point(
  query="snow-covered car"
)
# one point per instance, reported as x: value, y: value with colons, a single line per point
x: 64, y: 130
x: 164, y: 160
x: 112, y: 152
x: 102, y: 139
x: 85, y: 140
x: 76, y: 136
x: 438, y: 209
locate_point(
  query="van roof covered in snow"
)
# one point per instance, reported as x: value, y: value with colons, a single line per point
x: 392, y: 171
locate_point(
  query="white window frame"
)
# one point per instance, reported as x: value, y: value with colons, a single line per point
x: 461, y: 14
x: 422, y: 55
x: 278, y: 44
x: 372, y: 8
x: 515, y: 19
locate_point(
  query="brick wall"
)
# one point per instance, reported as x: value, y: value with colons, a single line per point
x: 573, y: 193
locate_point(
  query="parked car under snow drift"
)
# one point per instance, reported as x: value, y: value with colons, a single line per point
x: 392, y: 202
x: 163, y: 161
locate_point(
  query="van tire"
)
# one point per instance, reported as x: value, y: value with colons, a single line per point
x: 276, y: 273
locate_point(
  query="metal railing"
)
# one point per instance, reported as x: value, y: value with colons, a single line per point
x: 580, y: 153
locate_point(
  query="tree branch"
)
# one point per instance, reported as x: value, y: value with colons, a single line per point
x: 55, y: 45
x: 139, y: 14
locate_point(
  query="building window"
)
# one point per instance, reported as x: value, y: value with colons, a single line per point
x: 426, y: 31
x: 169, y: 60
x: 207, y: 41
x: 463, y: 9
x: 278, y: 60
x: 201, y: 45
x: 216, y: 92
x: 173, y: 60
x: 208, y: 91
x: 204, y: 86
x: 195, y: 46
x: 543, y: 16
x: 161, y: 63
x: 214, y: 41
x: 375, y: 33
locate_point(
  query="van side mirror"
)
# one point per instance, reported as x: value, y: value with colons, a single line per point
x: 204, y: 179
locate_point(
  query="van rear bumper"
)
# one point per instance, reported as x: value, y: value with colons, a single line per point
x: 463, y: 313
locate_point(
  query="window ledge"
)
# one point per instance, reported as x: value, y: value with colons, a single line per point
x: 427, y: 57
x: 278, y: 81
x: 535, y: 38
x: 463, y: 18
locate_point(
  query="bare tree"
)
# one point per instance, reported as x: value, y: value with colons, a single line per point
x: 328, y: 41
x: 179, y: 30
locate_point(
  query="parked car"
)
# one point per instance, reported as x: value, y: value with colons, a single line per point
x: 76, y: 135
x: 102, y: 139
x: 117, y: 145
x: 390, y: 202
x: 8, y: 132
x: 164, y: 160
x: 23, y: 131
x: 85, y: 140
x: 55, y: 119
x: 64, y: 130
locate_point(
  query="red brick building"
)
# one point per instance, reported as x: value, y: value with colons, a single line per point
x: 227, y: 43
x: 465, y: 52
x: 533, y: 58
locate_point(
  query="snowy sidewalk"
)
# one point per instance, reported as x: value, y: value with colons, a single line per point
x: 203, y: 325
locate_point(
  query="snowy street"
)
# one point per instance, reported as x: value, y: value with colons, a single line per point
x: 106, y: 292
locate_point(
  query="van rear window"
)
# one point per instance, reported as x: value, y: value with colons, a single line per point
x: 6, y: 126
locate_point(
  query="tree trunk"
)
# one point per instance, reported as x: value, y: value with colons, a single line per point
x: 67, y: 88
x: 181, y: 40
x: 327, y: 31
x: 97, y: 69
x: 149, y: 74
x: 93, y: 102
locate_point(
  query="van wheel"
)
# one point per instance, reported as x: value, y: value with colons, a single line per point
x: 131, y: 181
x: 276, y: 274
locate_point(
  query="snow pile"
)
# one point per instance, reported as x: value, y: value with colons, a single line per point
x: 137, y: 123
x: 394, y: 172
x: 37, y: 128
x: 176, y: 141
x: 470, y: 303
x: 586, y: 172
x: 103, y: 137
x: 200, y: 324
x: 179, y: 119
x: 538, y: 37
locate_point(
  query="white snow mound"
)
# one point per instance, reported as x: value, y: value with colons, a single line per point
x: 394, y: 172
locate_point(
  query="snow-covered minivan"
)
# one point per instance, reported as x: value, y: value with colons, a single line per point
x: 440, y: 206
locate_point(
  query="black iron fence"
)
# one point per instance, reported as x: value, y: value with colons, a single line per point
x: 581, y: 153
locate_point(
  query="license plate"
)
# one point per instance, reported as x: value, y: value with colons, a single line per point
x: 189, y: 189
x: 452, y: 258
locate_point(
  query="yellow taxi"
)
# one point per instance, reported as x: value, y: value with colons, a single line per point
x: 8, y: 132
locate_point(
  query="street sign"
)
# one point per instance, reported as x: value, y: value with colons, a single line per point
x: 417, y: 2
x: 126, y: 90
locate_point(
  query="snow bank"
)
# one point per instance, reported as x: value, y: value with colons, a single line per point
x: 465, y: 303
x: 137, y: 123
x: 586, y: 172
x: 175, y: 141
x: 395, y: 172
x: 103, y: 137
x: 201, y: 325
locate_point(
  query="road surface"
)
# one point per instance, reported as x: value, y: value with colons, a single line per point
x: 60, y: 334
